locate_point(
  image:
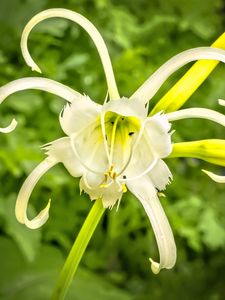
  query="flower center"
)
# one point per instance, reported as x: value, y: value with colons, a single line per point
x: 120, y: 136
x: 110, y: 177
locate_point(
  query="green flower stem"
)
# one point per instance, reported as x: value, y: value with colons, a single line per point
x: 77, y: 251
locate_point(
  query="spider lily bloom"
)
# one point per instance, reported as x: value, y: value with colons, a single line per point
x: 115, y: 146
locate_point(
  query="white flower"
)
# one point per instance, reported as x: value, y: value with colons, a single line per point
x: 115, y: 146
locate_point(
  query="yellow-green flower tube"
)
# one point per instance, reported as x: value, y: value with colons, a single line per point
x: 209, y: 150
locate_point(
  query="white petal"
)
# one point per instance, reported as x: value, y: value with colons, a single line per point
x: 126, y: 107
x: 144, y: 190
x: 38, y: 83
x: 79, y: 114
x: 93, y: 180
x: 214, y: 177
x: 149, y: 88
x: 61, y: 151
x: 88, y: 146
x: 143, y: 159
x: 25, y: 192
x: 157, y: 130
x: 221, y: 102
x: 9, y: 128
x: 160, y: 175
x: 109, y: 195
x: 202, y: 113
x: 93, y: 192
x: 91, y: 30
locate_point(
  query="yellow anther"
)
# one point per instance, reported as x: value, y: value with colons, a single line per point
x: 103, y: 185
x: 161, y: 194
x: 124, y: 188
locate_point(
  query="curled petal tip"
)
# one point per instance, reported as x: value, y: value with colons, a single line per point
x: 154, y: 266
x: 40, y: 219
x: 36, y: 68
x: 221, y: 102
x: 25, y: 192
x: 214, y: 177
x: 9, y: 128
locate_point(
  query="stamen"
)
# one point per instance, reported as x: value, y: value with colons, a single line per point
x: 102, y: 119
x: 127, y: 163
x: 72, y: 143
x: 106, y: 185
x: 106, y: 98
x: 132, y: 148
x: 86, y: 182
x: 113, y: 138
x: 147, y: 170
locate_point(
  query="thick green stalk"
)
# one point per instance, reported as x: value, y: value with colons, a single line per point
x: 77, y: 251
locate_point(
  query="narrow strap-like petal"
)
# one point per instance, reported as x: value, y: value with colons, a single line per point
x: 214, y: 177
x: 144, y: 190
x: 25, y: 192
x: 221, y: 102
x: 202, y: 113
x: 37, y: 83
x: 91, y: 30
x: 149, y: 88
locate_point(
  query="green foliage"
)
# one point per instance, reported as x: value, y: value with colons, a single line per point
x: 140, y: 36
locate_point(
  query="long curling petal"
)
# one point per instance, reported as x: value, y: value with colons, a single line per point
x: 202, y: 113
x: 38, y: 83
x: 221, y: 102
x: 182, y: 90
x: 25, y: 192
x: 144, y: 190
x: 214, y: 177
x: 149, y: 88
x: 90, y: 29
x: 9, y: 128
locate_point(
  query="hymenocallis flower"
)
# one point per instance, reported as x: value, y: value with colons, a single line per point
x: 117, y: 145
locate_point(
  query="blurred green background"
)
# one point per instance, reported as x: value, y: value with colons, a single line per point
x: 140, y: 35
